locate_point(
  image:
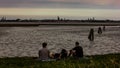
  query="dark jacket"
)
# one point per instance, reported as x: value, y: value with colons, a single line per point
x: 78, y: 51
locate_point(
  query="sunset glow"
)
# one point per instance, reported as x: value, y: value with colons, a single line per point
x: 108, y: 9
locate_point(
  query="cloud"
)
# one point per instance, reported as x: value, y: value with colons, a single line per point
x: 60, y: 3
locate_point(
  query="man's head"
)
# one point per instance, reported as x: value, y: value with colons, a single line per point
x: 77, y: 43
x: 44, y: 45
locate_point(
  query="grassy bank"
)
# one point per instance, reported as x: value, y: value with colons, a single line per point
x: 98, y: 61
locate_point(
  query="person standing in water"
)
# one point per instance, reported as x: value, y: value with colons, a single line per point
x: 99, y: 31
x: 91, y: 35
x: 103, y: 28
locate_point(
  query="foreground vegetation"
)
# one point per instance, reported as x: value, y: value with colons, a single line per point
x: 98, y: 61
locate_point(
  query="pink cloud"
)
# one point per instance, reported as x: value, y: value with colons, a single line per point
x: 96, y: 2
x: 61, y: 3
x: 99, y: 2
x: 116, y: 2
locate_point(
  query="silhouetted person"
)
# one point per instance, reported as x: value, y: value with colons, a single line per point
x: 91, y: 35
x: 44, y: 52
x: 99, y: 30
x: 57, y: 56
x: 103, y: 28
x: 77, y: 51
x: 64, y: 54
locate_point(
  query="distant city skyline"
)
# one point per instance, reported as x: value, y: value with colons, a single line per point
x: 72, y: 9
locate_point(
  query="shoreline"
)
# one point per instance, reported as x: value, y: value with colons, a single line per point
x: 18, y: 24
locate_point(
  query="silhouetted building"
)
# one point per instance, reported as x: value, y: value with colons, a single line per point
x: 58, y: 18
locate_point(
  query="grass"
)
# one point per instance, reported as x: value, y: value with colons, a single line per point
x: 97, y: 61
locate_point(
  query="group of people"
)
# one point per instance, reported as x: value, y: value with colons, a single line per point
x: 91, y: 33
x: 45, y: 54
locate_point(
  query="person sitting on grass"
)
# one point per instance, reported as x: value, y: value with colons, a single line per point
x: 44, y: 52
x: 57, y: 56
x: 77, y: 51
x: 64, y: 54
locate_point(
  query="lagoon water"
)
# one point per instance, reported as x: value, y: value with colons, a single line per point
x: 26, y: 41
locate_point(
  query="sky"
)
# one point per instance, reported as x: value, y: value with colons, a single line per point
x: 72, y: 9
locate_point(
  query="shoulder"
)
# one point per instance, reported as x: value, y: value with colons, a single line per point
x: 46, y: 49
x: 41, y: 50
x: 74, y: 48
x: 79, y: 47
